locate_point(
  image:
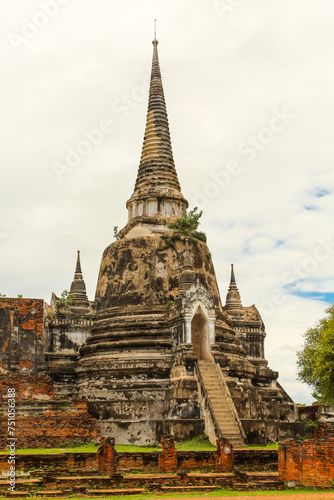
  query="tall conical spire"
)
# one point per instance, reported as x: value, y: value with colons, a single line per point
x: 157, y: 190
x: 157, y: 162
x: 232, y: 282
x: 78, y: 268
x: 233, y: 300
x: 78, y: 287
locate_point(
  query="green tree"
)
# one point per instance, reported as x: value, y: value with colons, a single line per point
x: 63, y: 305
x: 316, y: 358
x: 187, y: 224
x: 116, y: 233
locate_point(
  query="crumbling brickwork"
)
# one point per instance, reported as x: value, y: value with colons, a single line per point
x: 310, y: 463
x: 324, y: 430
x: 265, y: 460
x: 22, y: 335
x: 168, y: 459
x: 27, y: 386
x: 224, y: 456
x: 58, y: 424
x: 107, y: 456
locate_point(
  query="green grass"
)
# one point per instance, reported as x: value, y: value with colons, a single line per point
x: 199, y: 443
x: 273, y: 446
x: 215, y: 493
x: 135, y: 449
x: 86, y: 448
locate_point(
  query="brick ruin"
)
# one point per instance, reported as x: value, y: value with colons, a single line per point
x: 156, y: 351
x: 41, y: 419
x: 309, y: 463
x: 109, y: 472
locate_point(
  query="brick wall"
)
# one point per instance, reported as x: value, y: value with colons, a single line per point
x: 29, y: 462
x: 63, y: 424
x: 27, y: 386
x: 144, y: 461
x: 41, y: 421
x: 310, y: 463
x: 22, y: 335
x: 324, y: 430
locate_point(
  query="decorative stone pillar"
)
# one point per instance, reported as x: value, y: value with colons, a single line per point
x: 224, y: 456
x: 107, y: 456
x: 212, y: 321
x: 187, y: 328
x: 168, y: 458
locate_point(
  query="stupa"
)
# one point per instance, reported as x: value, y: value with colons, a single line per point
x: 164, y: 355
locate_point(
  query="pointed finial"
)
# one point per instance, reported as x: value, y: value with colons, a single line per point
x: 78, y: 268
x: 155, y: 29
x: 78, y: 289
x: 233, y: 301
x: 232, y: 275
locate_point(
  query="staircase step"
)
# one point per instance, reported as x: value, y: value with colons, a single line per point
x: 231, y: 434
x: 216, y: 390
x: 231, y: 431
x: 219, y: 398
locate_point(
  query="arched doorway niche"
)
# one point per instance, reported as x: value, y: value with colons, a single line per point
x: 200, y: 334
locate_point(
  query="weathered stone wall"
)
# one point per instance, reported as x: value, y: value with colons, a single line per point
x: 22, y: 335
x: 308, y: 463
x: 316, y: 413
x: 145, y: 271
x: 324, y: 430
x: 263, y: 431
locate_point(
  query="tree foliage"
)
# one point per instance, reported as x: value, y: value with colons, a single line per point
x: 187, y: 224
x: 116, y: 233
x: 316, y: 358
x: 63, y: 305
x: 66, y: 299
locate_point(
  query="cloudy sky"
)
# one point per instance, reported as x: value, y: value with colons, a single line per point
x: 249, y: 91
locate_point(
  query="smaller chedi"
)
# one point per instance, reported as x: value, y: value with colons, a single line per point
x: 157, y: 351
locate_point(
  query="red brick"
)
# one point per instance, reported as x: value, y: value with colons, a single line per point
x: 224, y: 456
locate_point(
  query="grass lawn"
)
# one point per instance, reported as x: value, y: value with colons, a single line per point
x: 216, y: 493
x: 92, y: 448
x: 199, y: 443
x: 273, y: 446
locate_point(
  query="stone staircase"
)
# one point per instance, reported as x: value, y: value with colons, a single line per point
x: 220, y: 403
